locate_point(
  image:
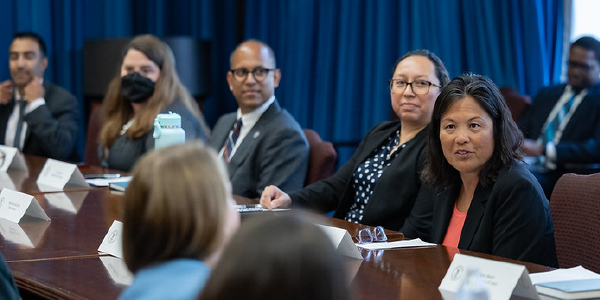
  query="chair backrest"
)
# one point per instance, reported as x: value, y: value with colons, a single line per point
x: 516, y: 102
x: 322, y: 157
x: 575, y: 207
x: 92, y: 137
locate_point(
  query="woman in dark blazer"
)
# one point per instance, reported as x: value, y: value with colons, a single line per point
x: 486, y: 201
x: 380, y: 183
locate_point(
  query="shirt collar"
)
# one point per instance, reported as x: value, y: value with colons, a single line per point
x: 251, y: 118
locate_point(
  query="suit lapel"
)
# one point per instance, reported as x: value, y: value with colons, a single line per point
x: 219, y: 137
x: 588, y: 104
x: 443, y: 208
x: 474, y: 216
x: 376, y: 142
x: 251, y: 139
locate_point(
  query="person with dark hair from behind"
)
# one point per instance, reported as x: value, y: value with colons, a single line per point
x: 36, y: 116
x: 8, y: 287
x: 278, y: 257
x: 380, y: 184
x: 145, y: 85
x: 562, y: 126
x: 486, y: 199
x: 178, y: 215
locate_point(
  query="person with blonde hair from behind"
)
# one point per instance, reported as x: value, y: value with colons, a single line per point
x: 177, y: 215
x: 279, y: 257
x: 145, y: 85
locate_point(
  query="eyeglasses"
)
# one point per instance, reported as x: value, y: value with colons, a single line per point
x: 259, y: 73
x: 419, y: 87
x: 577, y: 65
x: 365, y: 235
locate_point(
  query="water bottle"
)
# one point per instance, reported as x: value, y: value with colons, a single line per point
x: 167, y: 130
x: 472, y: 287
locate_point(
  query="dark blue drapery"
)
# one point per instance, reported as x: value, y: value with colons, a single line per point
x: 336, y: 56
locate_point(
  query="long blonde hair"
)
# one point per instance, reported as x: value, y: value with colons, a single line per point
x: 117, y: 111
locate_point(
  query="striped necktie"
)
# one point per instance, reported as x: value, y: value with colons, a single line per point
x: 555, y: 123
x: 233, y: 137
x: 17, y: 141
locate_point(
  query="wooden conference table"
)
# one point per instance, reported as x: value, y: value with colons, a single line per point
x: 59, y: 259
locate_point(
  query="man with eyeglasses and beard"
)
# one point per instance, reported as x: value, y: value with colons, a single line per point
x: 36, y: 116
x: 563, y: 124
x: 261, y: 143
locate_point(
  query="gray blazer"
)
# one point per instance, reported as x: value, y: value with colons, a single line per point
x: 52, y: 128
x: 275, y: 151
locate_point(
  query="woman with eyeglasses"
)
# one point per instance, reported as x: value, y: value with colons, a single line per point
x: 380, y: 183
x: 145, y: 85
x: 486, y: 201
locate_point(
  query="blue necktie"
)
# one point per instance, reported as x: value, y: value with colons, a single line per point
x: 554, y: 125
x: 17, y: 140
x: 233, y: 137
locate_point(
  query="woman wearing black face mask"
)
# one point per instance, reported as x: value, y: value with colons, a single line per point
x: 146, y: 85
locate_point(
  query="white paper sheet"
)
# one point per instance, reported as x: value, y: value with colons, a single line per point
x: 574, y: 273
x: 398, y: 244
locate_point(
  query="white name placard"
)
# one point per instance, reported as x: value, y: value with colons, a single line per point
x: 342, y: 241
x: 500, y: 280
x: 58, y: 174
x: 14, y: 205
x: 111, y: 244
x: 13, y: 159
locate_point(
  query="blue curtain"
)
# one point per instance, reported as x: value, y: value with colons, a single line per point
x: 336, y: 56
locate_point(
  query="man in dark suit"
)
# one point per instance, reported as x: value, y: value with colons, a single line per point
x: 36, y: 116
x: 563, y: 124
x: 261, y: 143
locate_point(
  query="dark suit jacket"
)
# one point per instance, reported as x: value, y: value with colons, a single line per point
x: 275, y: 151
x: 51, y: 128
x: 580, y: 141
x: 510, y: 218
x: 395, y: 195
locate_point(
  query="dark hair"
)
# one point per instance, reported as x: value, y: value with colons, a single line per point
x: 507, y: 137
x: 34, y: 36
x: 274, y: 256
x: 440, y: 70
x: 588, y: 43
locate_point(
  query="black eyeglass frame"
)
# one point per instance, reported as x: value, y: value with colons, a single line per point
x: 429, y: 84
x: 245, y: 76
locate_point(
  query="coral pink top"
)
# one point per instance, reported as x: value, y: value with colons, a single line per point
x: 454, y: 228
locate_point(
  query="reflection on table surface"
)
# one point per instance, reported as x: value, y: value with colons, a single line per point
x: 64, y: 262
x: 76, y: 228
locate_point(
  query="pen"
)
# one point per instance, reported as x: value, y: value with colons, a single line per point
x: 105, y: 176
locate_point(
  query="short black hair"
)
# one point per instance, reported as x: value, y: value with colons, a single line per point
x: 508, y: 139
x: 34, y: 36
x: 588, y: 43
